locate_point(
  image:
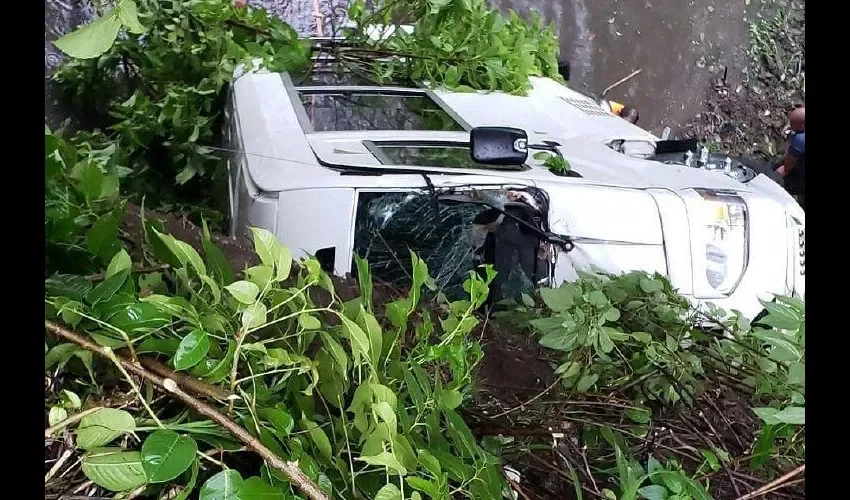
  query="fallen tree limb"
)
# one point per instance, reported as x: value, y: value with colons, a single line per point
x: 197, y: 386
x: 290, y: 469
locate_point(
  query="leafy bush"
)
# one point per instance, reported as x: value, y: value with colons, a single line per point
x: 82, y: 206
x: 459, y: 44
x: 324, y: 384
x: 153, y: 71
x: 623, y: 332
x: 664, y: 481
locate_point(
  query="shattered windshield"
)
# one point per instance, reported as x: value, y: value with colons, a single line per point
x: 453, y: 235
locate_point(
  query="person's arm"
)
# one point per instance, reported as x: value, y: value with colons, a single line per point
x: 796, y: 149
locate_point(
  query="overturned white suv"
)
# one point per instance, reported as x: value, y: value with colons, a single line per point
x: 336, y: 166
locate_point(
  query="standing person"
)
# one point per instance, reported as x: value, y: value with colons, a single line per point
x: 793, y: 165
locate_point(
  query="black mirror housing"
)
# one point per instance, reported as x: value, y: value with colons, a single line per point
x: 498, y: 145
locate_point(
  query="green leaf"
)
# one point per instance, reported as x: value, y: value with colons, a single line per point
x: 612, y: 315
x: 70, y: 399
x: 767, y: 414
x: 797, y: 374
x: 558, y: 299
x: 428, y: 487
x: 129, y: 16
x: 254, y: 316
x: 59, y: 355
x: 559, y: 340
x: 320, y: 439
x: 387, y: 460
x: 778, y: 340
x: 793, y: 415
x: 605, y: 342
x: 114, y: 469
x: 191, y: 350
x: 309, y: 322
x: 159, y: 346
x: 166, y: 454
x: 265, y: 245
x: 388, y: 492
x: 642, y: 337
x: 283, y: 263
x: 586, y: 382
x: 182, y: 251
x: 91, y: 40
x: 763, y: 447
x: 711, y: 459
x: 280, y: 420
x: 781, y: 316
x: 119, y: 262
x: 650, y: 285
x: 67, y: 285
x: 102, y: 238
x: 450, y: 399
x: 223, y: 486
x: 639, y: 415
x: 91, y: 179
x: 191, y: 256
x: 190, y: 486
x: 364, y: 279
x: 672, y: 482
x: 216, y: 261
x: 272, y: 253
x: 101, y: 427
x: 597, y: 299
x: 653, y: 492
x: 107, y: 288
x: 56, y: 415
x: 336, y: 351
x: 373, y: 330
x: 243, y: 291
x: 141, y: 317
x: 259, y: 275
x: 255, y: 488
x: 358, y: 338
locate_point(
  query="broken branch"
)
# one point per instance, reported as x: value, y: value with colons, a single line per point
x: 290, y: 469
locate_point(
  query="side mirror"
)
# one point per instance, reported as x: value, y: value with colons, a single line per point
x: 498, y: 145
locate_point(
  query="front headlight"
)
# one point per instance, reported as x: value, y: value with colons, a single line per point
x: 722, y: 230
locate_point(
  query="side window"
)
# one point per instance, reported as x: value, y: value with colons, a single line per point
x: 332, y: 110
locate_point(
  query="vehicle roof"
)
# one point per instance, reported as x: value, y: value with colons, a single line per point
x: 280, y: 155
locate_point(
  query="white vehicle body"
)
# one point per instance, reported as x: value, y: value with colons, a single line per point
x: 298, y: 175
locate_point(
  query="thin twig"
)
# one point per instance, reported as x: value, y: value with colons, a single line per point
x: 58, y: 465
x: 68, y: 421
x: 288, y: 468
x: 515, y: 486
x: 621, y: 81
x: 782, y: 482
x: 535, y: 398
x: 138, y: 270
x: 109, y: 353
